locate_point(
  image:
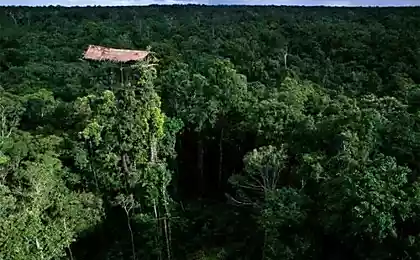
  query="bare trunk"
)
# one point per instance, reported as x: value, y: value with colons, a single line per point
x: 71, y: 254
x: 125, y: 163
x: 126, y: 168
x: 285, y: 54
x: 131, y: 235
x: 158, y: 235
x: 166, y: 222
x: 167, y: 237
x: 13, y: 17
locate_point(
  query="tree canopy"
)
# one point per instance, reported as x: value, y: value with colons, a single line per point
x: 251, y: 133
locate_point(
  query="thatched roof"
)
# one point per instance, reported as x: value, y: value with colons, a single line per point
x: 116, y: 55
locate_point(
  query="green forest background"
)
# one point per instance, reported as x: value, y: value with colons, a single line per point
x: 257, y: 133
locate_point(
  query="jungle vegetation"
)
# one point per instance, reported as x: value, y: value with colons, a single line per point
x: 283, y: 133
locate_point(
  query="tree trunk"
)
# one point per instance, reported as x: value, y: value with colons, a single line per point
x: 13, y: 17
x: 166, y: 222
x: 70, y: 252
x: 126, y: 168
x: 158, y: 231
x: 168, y: 247
x: 131, y: 235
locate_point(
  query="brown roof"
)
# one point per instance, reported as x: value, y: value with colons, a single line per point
x: 118, y: 55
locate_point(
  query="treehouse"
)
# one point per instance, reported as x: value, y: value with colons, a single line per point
x: 124, y: 59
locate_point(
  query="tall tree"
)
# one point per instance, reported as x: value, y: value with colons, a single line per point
x: 122, y: 131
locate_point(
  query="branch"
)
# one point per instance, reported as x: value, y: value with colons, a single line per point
x: 12, y: 16
x: 237, y: 201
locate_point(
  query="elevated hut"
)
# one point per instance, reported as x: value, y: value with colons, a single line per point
x: 123, y: 57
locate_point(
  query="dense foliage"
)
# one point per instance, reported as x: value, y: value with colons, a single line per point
x: 254, y: 133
